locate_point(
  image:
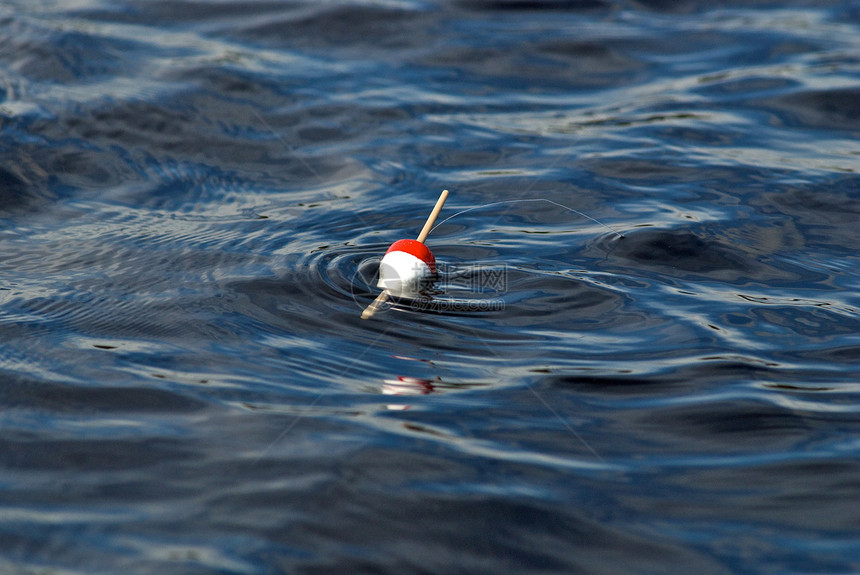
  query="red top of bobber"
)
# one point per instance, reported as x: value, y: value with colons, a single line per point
x: 417, y: 249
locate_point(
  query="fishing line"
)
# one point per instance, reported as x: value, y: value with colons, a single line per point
x: 503, y: 202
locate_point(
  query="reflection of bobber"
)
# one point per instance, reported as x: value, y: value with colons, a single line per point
x: 406, y: 386
x: 407, y: 264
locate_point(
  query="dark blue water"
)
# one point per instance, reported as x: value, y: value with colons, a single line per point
x: 193, y: 199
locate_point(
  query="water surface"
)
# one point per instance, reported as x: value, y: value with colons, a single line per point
x: 193, y: 196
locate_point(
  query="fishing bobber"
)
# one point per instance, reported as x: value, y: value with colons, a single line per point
x: 406, y: 267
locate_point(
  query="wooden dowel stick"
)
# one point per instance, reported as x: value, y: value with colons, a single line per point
x: 425, y: 231
x: 375, y: 305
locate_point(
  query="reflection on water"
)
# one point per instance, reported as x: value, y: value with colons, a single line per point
x: 195, y: 197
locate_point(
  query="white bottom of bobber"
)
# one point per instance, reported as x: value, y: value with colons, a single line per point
x: 403, y: 274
